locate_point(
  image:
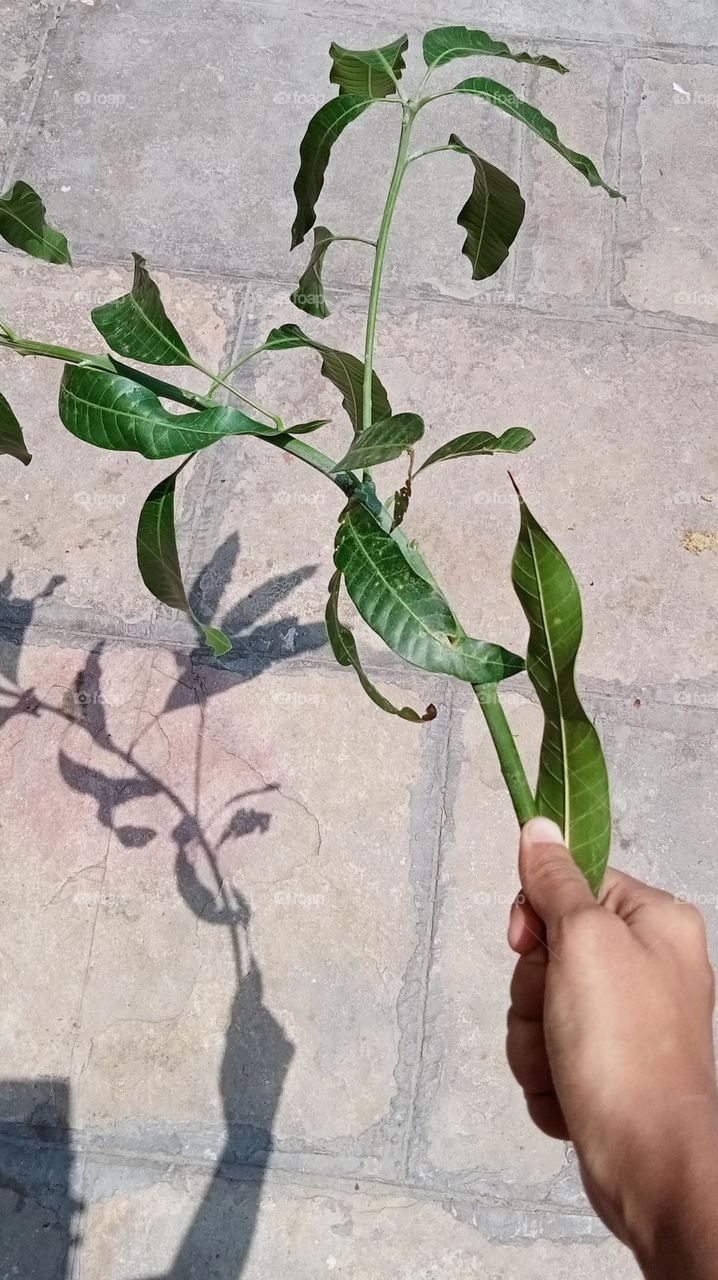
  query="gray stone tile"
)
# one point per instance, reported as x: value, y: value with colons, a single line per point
x: 606, y: 402
x: 563, y: 244
x: 671, y: 260
x: 271, y: 1004
x: 69, y: 520
x: 22, y: 33
x: 53, y: 848
x: 185, y: 136
x: 39, y: 1205
x: 141, y: 1218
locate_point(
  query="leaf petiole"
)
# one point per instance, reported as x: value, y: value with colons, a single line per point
x: 510, y: 761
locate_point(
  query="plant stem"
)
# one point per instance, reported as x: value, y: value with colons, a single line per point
x: 219, y: 381
x: 391, y: 199
x: 9, y: 333
x: 430, y: 151
x: 503, y: 739
x: 227, y: 373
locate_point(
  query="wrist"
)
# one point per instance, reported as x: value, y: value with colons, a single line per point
x: 670, y: 1216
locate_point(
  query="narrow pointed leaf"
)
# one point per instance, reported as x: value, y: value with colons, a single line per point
x: 158, y: 560
x: 23, y: 225
x: 506, y: 100
x: 341, y: 368
x: 309, y: 293
x: 480, y: 442
x: 368, y: 73
x: 409, y: 614
x: 137, y: 325
x: 382, y: 441
x: 112, y: 412
x: 446, y: 43
x: 322, y: 132
x: 491, y: 217
x: 572, y: 783
x: 166, y: 390
x: 11, y: 437
x: 345, y: 651
x: 305, y: 428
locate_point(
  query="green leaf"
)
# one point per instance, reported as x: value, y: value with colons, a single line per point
x: 23, y: 225
x: 322, y: 132
x: 341, y: 368
x: 309, y: 293
x: 113, y: 412
x: 506, y: 100
x: 479, y: 442
x: 407, y: 611
x: 491, y: 217
x: 166, y: 390
x: 304, y: 428
x: 368, y: 73
x: 446, y: 43
x: 11, y: 437
x: 382, y: 441
x: 136, y: 325
x: 158, y: 560
x: 572, y: 783
x: 345, y: 651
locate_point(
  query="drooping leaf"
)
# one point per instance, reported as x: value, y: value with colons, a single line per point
x: 407, y: 611
x: 491, y: 217
x: 158, y: 560
x: 309, y: 293
x: 137, y: 325
x: 305, y: 428
x: 165, y: 390
x: 113, y: 412
x: 382, y: 441
x: 11, y: 437
x: 345, y: 651
x: 481, y: 442
x: 506, y: 100
x: 341, y: 368
x: 572, y: 783
x: 368, y: 73
x: 23, y: 225
x: 446, y: 43
x: 322, y: 132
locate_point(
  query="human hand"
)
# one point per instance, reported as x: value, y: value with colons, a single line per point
x: 610, y: 1037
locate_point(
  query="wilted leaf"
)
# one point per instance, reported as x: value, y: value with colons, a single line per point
x: 491, y: 217
x: 322, y: 132
x: 11, y: 437
x: 369, y: 73
x: 345, y: 651
x: 572, y: 784
x: 446, y: 43
x: 158, y: 560
x: 112, y: 412
x: 23, y: 225
x: 506, y: 100
x: 136, y: 325
x: 481, y: 442
x: 309, y: 293
x: 406, y: 610
x: 341, y: 368
x: 382, y: 441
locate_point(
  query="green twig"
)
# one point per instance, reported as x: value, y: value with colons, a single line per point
x: 503, y: 739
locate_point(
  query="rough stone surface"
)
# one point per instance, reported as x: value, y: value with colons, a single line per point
x: 253, y: 952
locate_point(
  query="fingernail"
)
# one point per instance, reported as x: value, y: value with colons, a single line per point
x: 516, y: 925
x: 543, y: 831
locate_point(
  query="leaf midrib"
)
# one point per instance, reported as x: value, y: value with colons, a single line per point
x: 559, y: 700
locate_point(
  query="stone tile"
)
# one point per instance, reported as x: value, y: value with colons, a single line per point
x: 53, y: 848
x: 667, y: 228
x: 472, y: 1124
x: 284, y: 1014
x: 606, y: 402
x: 561, y: 248
x: 39, y: 1209
x: 22, y: 32
x: 69, y: 520
x: 170, y: 144
x: 141, y: 1219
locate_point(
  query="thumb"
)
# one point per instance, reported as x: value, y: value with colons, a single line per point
x: 550, y: 878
